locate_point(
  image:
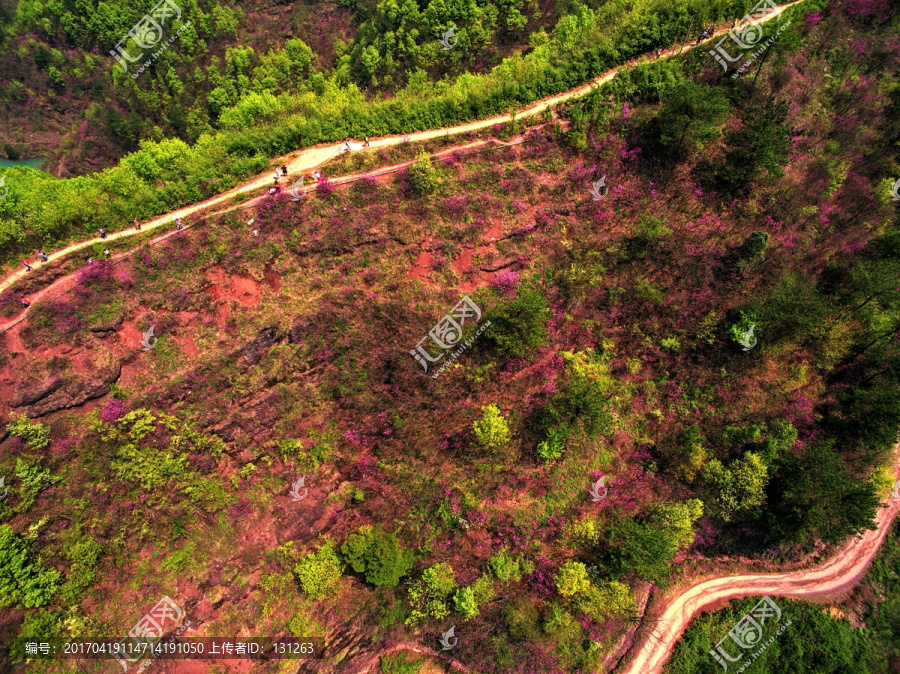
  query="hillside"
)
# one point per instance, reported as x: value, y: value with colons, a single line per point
x: 678, y: 303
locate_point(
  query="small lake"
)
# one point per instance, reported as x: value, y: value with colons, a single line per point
x: 33, y: 163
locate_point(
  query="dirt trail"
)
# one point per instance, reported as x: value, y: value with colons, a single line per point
x: 830, y: 579
x: 63, y: 284
x: 306, y: 160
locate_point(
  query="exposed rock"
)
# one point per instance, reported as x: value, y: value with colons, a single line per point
x: 256, y: 349
x: 31, y: 392
x: 107, y: 326
x: 75, y: 392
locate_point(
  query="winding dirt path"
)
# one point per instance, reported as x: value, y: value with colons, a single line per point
x: 831, y: 579
x: 64, y: 284
x: 308, y: 159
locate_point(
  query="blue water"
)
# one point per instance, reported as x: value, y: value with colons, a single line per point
x: 33, y: 163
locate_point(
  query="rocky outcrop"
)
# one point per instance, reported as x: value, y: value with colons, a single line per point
x: 31, y: 392
x: 255, y: 350
x: 57, y: 394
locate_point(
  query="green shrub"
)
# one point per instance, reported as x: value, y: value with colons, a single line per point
x: 468, y: 600
x: 572, y: 579
x: 555, y: 444
x: 582, y: 403
x: 319, y: 571
x: 505, y: 567
x: 428, y: 596
x: 35, y: 434
x: 423, y: 175
x: 34, y: 477
x: 399, y: 663
x: 492, y: 430
x: 23, y: 582
x: 520, y: 323
x: 378, y: 555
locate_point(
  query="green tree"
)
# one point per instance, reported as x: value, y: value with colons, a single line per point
x: 423, y: 176
x: 762, y: 142
x: 429, y: 595
x: 378, y: 555
x: 816, y: 496
x: 520, y: 323
x: 506, y: 567
x: 319, y: 571
x: 692, y: 115
x: 468, y: 600
x: 741, y: 488
x: 754, y: 247
x: 492, y: 430
x: 572, y: 579
x: 691, y: 454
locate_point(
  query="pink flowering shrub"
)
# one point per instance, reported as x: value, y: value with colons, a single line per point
x: 113, y: 410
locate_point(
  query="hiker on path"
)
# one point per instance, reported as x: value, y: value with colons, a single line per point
x: 658, y: 53
x: 284, y: 170
x: 27, y: 266
x: 102, y: 233
x: 90, y: 260
x: 106, y: 252
x: 137, y: 225
x: 366, y: 142
x: 347, y: 145
x: 25, y: 304
x: 42, y: 256
x: 317, y: 175
x: 179, y: 223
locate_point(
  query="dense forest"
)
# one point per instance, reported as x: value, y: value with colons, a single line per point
x: 617, y: 357
x: 203, y: 118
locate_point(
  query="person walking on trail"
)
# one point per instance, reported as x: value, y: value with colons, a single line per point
x: 277, y: 174
x: 106, y: 252
x: 27, y: 266
x: 42, y: 256
x: 90, y: 260
x: 179, y: 223
x: 347, y: 145
x: 658, y: 53
x: 366, y: 142
x: 137, y: 225
x: 102, y: 233
x: 25, y: 303
x: 284, y: 170
x: 317, y: 176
